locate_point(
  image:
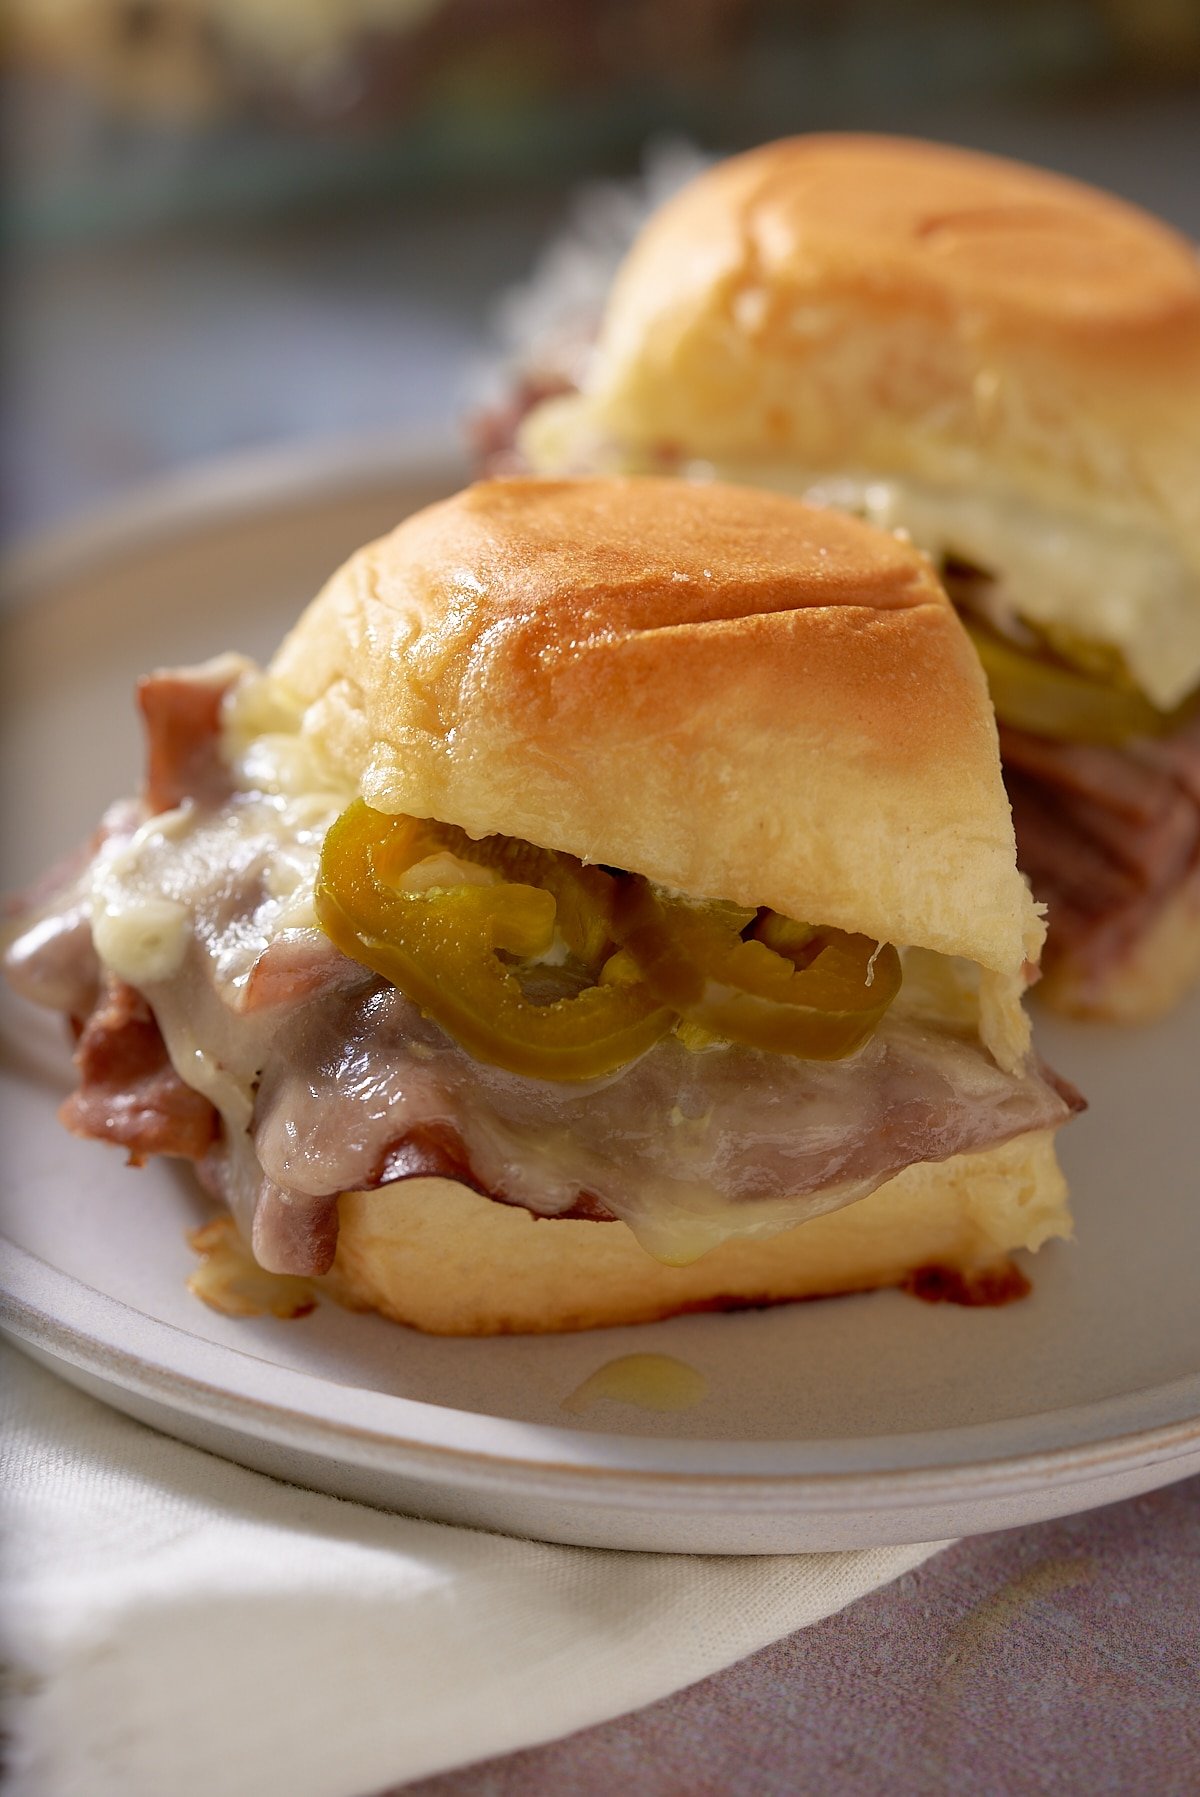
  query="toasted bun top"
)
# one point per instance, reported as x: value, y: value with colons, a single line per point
x: 929, y: 221
x: 733, y: 693
x: 845, y: 301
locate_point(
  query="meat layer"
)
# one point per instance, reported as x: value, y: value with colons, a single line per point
x: 1108, y: 836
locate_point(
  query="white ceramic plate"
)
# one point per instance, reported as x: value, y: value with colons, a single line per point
x: 844, y: 1423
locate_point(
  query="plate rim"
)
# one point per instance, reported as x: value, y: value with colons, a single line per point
x: 225, y: 487
x: 221, y: 487
x: 617, y: 1469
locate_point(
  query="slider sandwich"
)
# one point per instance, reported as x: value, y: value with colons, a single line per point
x: 1005, y: 365
x: 604, y: 906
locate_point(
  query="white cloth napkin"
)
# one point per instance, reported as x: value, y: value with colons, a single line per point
x: 176, y: 1624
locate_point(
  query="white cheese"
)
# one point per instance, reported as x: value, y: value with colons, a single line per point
x: 141, y: 939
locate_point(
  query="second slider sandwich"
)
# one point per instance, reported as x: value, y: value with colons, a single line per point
x: 1005, y: 364
x: 604, y: 906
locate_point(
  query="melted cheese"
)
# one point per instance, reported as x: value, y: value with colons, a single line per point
x: 142, y: 939
x: 649, y: 1381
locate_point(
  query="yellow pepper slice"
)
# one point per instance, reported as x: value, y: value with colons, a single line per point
x: 1049, y: 698
x: 759, y: 979
x: 442, y: 945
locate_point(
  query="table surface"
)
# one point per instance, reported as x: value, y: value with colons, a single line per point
x: 1061, y: 1658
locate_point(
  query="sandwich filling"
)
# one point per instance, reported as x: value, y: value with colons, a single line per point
x: 222, y: 1016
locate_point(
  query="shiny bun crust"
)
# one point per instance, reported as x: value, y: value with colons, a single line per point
x: 840, y: 302
x: 732, y: 693
x: 440, y: 1258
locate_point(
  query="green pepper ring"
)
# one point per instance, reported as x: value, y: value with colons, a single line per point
x: 816, y: 994
x: 1048, y: 698
x: 441, y: 948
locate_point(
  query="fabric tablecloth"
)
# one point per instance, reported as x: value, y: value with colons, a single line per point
x: 176, y: 1624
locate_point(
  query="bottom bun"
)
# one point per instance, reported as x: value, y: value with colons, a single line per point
x: 1146, y: 983
x: 440, y: 1258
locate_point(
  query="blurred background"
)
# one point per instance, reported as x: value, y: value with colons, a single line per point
x: 239, y: 223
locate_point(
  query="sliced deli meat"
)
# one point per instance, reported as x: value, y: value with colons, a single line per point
x: 181, y: 713
x: 1108, y: 836
x: 687, y: 1148
x: 129, y: 1093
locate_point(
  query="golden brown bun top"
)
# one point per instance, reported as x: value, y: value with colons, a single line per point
x: 735, y: 694
x: 884, y: 212
x: 887, y: 305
